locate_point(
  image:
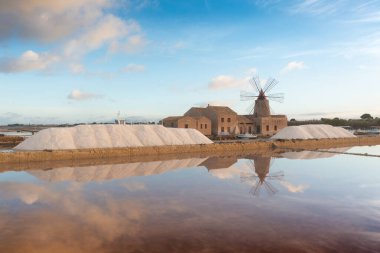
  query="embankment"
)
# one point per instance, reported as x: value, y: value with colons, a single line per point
x: 10, y: 141
x: 143, y: 153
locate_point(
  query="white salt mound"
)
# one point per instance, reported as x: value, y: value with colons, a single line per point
x: 111, y: 136
x: 312, y: 132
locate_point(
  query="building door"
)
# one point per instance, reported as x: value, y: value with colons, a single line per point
x: 258, y: 129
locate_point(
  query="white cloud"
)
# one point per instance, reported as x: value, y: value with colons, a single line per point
x: 46, y: 20
x: 77, y: 68
x: 252, y: 72
x: 80, y: 95
x: 109, y: 30
x: 317, y: 7
x: 131, y: 45
x: 134, y: 68
x: 294, y: 65
x: 294, y: 188
x: 373, y: 17
x: 28, y: 61
x: 80, y: 27
x: 225, y: 82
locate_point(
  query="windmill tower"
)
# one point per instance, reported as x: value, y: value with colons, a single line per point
x: 260, y: 166
x: 261, y: 106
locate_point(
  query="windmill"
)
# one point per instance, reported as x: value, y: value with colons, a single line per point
x: 261, y: 106
x: 260, y: 166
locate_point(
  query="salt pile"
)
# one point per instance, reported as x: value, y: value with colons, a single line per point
x: 312, y: 132
x: 111, y: 136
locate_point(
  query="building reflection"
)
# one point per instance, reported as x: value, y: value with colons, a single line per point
x: 260, y: 175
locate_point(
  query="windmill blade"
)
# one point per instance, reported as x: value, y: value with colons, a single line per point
x: 271, y: 82
x: 277, y: 97
x: 251, y: 164
x: 271, y: 110
x: 251, y: 108
x: 255, y: 190
x: 247, y: 96
x: 247, y: 178
x: 270, y: 189
x: 255, y: 82
x: 278, y: 175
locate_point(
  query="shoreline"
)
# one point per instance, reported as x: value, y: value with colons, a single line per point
x: 202, y: 150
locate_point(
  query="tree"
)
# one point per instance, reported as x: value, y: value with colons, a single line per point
x: 366, y: 116
x: 293, y: 120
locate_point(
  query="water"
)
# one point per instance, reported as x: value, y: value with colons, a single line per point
x: 219, y: 204
x: 18, y: 133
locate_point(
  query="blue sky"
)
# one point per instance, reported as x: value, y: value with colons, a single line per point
x: 85, y: 60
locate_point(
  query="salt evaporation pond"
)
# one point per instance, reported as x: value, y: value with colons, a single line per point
x: 311, y: 202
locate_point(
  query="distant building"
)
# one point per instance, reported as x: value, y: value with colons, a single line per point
x: 222, y: 120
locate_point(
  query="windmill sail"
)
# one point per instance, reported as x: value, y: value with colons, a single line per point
x: 261, y: 96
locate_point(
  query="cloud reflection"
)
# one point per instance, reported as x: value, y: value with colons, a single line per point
x: 175, y: 211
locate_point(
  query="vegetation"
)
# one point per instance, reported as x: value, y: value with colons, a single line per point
x: 365, y: 121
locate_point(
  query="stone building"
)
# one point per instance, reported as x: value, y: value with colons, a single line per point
x: 246, y: 125
x: 201, y: 123
x: 222, y: 120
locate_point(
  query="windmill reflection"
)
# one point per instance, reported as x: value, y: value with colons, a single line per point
x: 259, y: 176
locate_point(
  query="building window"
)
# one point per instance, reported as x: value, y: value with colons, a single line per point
x: 186, y: 125
x: 250, y: 130
x: 222, y: 129
x: 222, y: 119
x: 258, y: 129
x: 205, y: 126
x: 228, y: 129
x: 267, y: 127
x: 228, y: 119
x: 275, y: 128
x: 201, y: 126
x: 241, y: 130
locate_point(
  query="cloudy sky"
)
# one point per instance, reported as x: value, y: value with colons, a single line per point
x: 85, y: 60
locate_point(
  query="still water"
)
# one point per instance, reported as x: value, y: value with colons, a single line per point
x: 299, y: 202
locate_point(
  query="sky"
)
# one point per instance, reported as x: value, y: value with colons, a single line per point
x: 86, y: 60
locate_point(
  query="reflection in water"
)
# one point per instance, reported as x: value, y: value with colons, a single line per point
x: 158, y: 207
x: 309, y: 154
x: 259, y: 176
x: 114, y: 171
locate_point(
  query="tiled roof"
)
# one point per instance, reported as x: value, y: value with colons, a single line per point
x: 195, y: 111
x: 173, y: 118
x: 243, y: 119
x: 222, y: 109
x: 219, y: 162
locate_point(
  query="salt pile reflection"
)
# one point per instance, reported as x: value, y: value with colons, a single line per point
x: 114, y: 171
x: 194, y: 205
